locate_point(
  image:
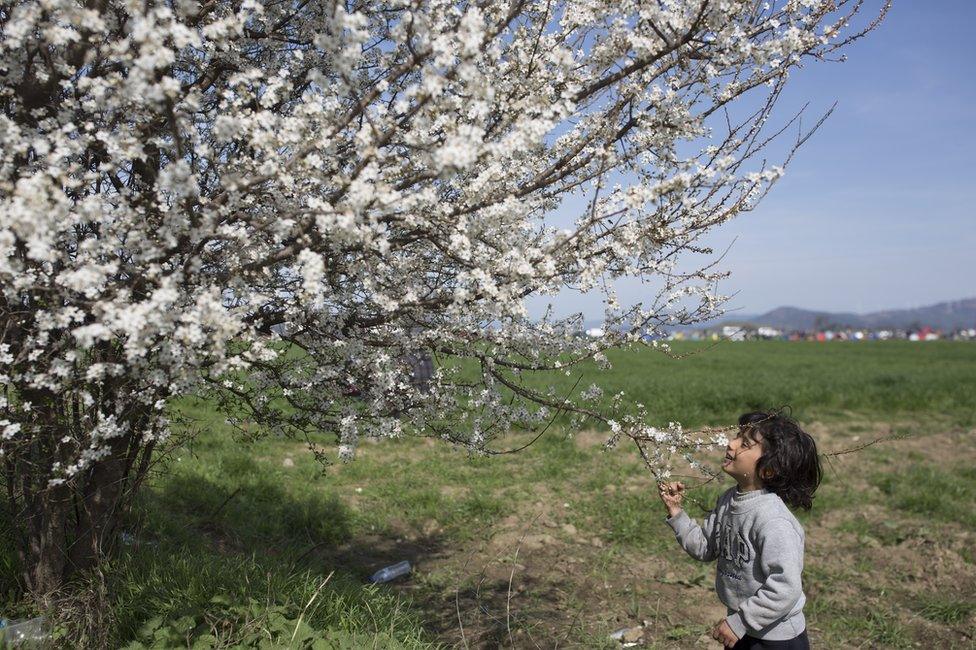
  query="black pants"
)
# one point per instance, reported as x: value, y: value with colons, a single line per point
x: 800, y: 642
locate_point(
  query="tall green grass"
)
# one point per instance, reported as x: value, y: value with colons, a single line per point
x: 173, y: 598
x: 946, y: 494
x: 232, y: 545
x: 712, y: 385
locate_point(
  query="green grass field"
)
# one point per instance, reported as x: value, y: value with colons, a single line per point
x: 711, y: 385
x: 257, y: 545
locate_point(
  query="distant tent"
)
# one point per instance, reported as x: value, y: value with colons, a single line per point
x: 421, y: 366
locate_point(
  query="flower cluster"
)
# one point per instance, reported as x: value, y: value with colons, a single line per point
x: 288, y: 204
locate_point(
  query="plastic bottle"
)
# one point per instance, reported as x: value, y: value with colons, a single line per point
x: 391, y: 572
x: 31, y: 630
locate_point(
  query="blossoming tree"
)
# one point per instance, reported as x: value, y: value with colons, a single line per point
x: 278, y: 202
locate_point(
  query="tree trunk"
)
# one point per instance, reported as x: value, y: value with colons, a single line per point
x: 69, y: 528
x: 43, y: 547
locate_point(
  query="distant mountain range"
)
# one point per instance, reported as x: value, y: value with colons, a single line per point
x: 944, y: 315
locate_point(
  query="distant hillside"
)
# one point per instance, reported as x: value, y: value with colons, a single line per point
x: 944, y: 315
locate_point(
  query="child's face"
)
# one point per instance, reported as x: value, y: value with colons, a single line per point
x: 741, y: 456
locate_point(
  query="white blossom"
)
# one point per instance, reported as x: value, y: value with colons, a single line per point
x: 238, y: 199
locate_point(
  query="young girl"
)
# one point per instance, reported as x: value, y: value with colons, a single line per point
x: 756, y: 539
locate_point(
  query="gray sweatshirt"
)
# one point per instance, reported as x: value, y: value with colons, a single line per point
x: 759, y: 546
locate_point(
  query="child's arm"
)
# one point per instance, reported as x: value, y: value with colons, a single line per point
x: 698, y: 541
x: 781, y: 560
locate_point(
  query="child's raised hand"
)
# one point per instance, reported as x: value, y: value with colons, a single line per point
x: 671, y: 495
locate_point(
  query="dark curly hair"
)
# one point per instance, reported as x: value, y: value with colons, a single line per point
x: 789, y: 465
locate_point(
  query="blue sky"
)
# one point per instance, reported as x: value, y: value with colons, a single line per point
x: 878, y: 209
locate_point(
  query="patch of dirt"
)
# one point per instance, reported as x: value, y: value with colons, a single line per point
x: 540, y: 577
x: 454, y: 491
x: 895, y: 558
x: 590, y: 439
x: 534, y: 579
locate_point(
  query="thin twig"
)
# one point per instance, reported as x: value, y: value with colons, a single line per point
x: 508, y: 601
x: 546, y: 428
x: 491, y: 530
x: 223, y: 504
x: 457, y: 608
x: 307, y: 605
x: 899, y: 436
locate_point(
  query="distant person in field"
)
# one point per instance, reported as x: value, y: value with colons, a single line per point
x: 752, y: 533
